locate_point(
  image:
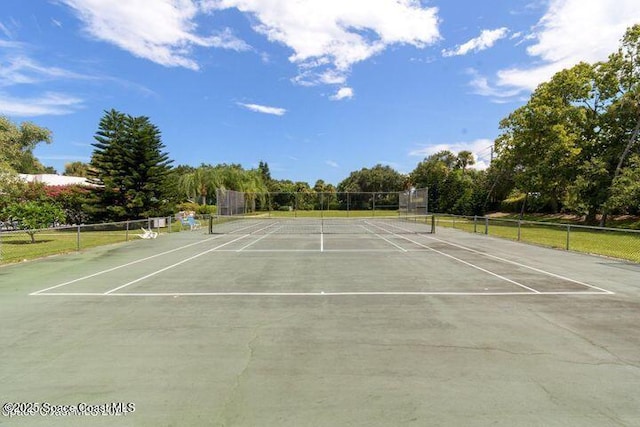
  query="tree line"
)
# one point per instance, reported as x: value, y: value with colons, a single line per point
x: 573, y: 147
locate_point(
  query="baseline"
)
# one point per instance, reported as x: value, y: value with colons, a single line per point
x: 313, y: 294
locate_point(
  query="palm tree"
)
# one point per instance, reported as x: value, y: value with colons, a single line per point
x: 200, y: 183
x: 465, y: 158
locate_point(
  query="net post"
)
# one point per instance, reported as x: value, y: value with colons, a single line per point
x: 568, y: 234
x: 433, y: 224
x: 211, y: 224
x: 78, y: 239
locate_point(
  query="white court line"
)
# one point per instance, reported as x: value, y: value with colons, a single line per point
x: 460, y: 260
x: 312, y: 294
x: 557, y: 276
x: 257, y: 240
x: 295, y: 251
x: 123, y: 265
x: 174, y: 265
x: 131, y: 263
x: 383, y: 238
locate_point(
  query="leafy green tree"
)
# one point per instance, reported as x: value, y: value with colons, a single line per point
x: 76, y: 169
x: 573, y: 139
x: 432, y: 172
x: 17, y: 144
x: 129, y: 167
x: 34, y: 215
x: 375, y: 181
x: 625, y: 192
x: 265, y: 172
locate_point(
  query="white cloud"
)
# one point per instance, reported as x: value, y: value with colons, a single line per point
x: 23, y: 70
x: 332, y: 164
x: 50, y: 103
x: 162, y: 31
x: 485, y: 40
x: 328, y: 37
x: 342, y: 93
x: 481, y: 86
x: 276, y: 111
x: 480, y: 148
x: 570, y: 31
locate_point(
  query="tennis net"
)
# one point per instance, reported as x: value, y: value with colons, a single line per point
x: 399, y: 224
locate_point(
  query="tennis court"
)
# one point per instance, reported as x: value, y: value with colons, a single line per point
x: 324, y: 321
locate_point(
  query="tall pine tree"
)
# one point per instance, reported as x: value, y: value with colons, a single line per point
x: 129, y: 168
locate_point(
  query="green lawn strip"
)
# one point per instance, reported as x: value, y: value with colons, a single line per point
x: 16, y: 247
x: 612, y: 243
x: 624, y: 222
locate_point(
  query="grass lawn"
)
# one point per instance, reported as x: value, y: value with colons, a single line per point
x: 612, y: 243
x: 15, y: 247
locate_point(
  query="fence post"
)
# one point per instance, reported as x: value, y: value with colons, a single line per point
x: 568, y: 234
x: 126, y: 233
x: 475, y: 224
x: 486, y: 225
x: 348, y: 207
x: 78, y: 239
x: 519, y: 223
x: 374, y: 203
x: 169, y: 222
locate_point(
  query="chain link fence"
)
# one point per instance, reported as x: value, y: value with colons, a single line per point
x: 19, y: 245
x: 611, y: 242
x: 312, y: 203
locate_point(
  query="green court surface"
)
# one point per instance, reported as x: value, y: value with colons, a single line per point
x: 379, y: 327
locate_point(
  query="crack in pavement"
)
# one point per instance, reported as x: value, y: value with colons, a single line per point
x: 620, y: 360
x: 231, y: 397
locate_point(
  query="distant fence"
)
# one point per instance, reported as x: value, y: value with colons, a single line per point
x: 312, y: 203
x: 17, y: 245
x: 611, y: 242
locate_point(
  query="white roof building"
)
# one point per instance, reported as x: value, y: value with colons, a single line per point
x: 52, y: 179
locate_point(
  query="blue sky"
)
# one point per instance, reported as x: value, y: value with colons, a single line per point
x: 316, y: 88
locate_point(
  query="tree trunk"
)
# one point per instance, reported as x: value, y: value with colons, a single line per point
x: 524, y: 203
